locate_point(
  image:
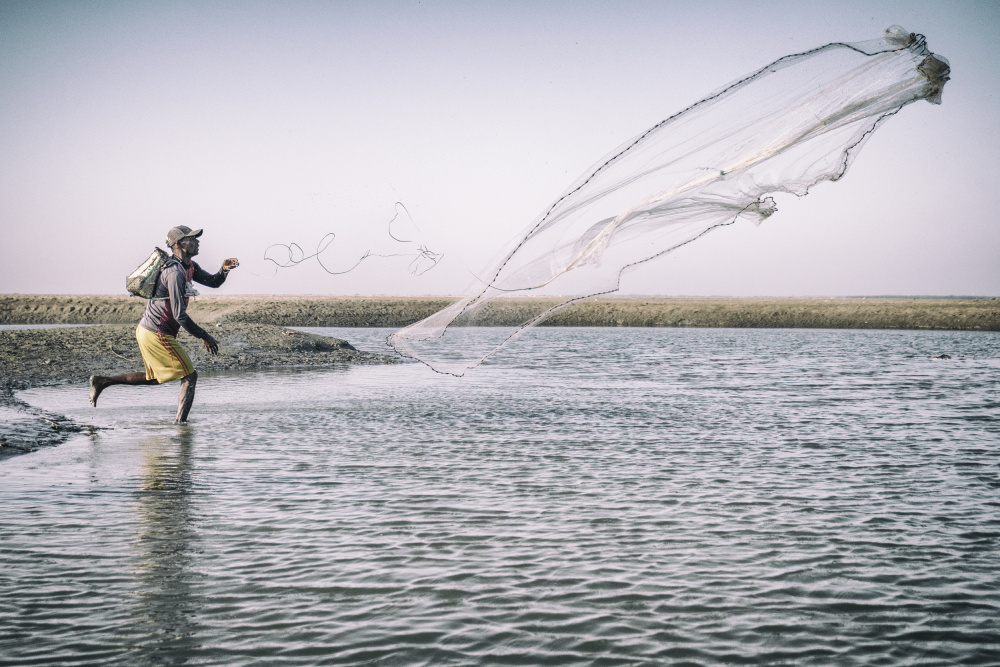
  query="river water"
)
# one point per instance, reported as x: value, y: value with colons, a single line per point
x: 589, y: 496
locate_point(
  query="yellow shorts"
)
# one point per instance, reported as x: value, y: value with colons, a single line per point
x: 164, y: 357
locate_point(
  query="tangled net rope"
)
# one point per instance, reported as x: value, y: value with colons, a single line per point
x: 422, y: 258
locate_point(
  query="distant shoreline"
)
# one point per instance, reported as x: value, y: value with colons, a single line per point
x: 946, y: 313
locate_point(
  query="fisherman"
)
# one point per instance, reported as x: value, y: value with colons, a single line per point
x: 166, y: 313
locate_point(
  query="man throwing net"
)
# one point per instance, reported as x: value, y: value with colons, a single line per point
x: 165, y: 314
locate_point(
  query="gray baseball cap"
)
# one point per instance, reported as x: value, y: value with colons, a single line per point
x: 179, y: 232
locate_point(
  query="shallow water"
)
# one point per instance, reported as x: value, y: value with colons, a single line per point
x: 590, y: 496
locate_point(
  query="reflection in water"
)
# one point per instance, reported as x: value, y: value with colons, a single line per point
x: 165, y: 604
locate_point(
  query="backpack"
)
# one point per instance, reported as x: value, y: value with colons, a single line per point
x: 142, y: 281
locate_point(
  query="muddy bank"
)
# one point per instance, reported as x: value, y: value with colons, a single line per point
x: 36, y: 357
x: 41, y: 356
x: 855, y: 313
x: 24, y: 428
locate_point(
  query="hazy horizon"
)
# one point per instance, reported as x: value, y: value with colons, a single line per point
x: 267, y: 124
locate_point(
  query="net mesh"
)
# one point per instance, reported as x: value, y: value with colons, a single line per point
x: 784, y: 128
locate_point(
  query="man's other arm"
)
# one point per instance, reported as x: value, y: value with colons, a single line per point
x: 175, y: 288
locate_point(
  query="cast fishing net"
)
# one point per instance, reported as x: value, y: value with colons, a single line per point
x: 789, y: 125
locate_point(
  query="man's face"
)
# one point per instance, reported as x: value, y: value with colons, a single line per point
x: 189, y: 244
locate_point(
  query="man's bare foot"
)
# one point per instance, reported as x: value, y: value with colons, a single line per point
x: 96, y: 387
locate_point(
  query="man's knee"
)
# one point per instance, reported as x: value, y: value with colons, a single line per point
x: 190, y: 378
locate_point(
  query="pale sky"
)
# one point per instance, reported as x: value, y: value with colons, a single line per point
x: 278, y: 122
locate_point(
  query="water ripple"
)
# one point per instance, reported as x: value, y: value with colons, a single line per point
x: 652, y: 497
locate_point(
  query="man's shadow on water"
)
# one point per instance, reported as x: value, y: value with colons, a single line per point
x: 163, y: 626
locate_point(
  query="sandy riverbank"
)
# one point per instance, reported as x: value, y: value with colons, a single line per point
x: 363, y: 311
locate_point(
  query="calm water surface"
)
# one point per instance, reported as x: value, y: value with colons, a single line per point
x: 590, y: 496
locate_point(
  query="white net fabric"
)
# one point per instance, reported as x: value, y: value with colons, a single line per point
x: 789, y: 125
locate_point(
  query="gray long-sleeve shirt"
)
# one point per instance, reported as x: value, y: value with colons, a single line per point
x: 166, y: 312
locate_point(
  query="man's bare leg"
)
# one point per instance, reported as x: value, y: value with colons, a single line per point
x: 186, y: 399
x: 99, y: 383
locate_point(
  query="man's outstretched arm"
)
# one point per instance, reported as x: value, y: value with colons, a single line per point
x: 214, y: 279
